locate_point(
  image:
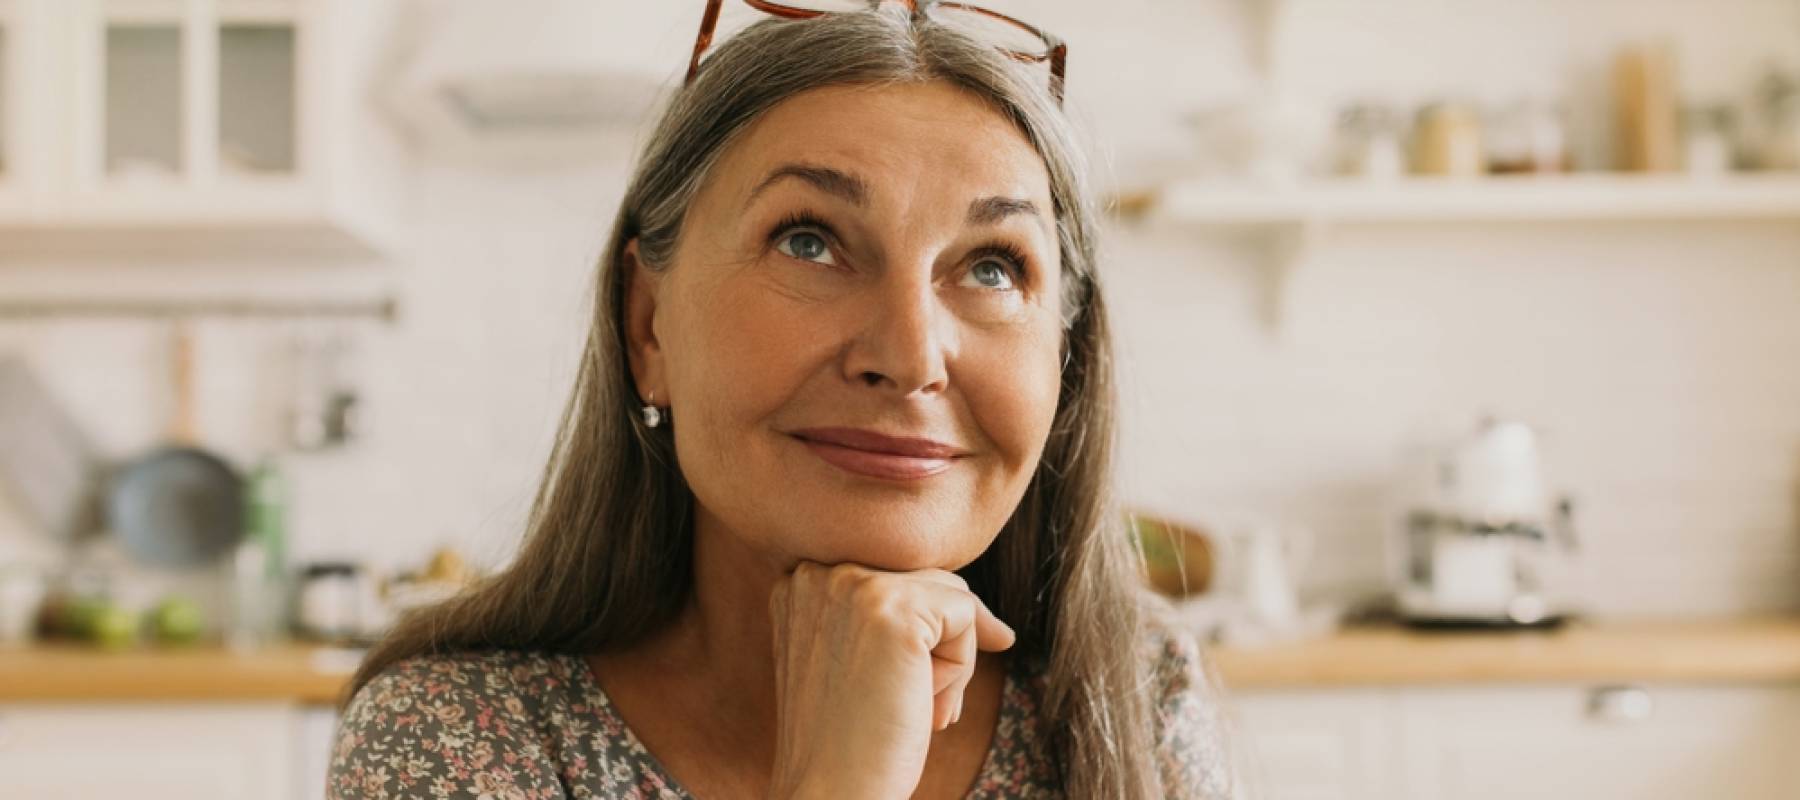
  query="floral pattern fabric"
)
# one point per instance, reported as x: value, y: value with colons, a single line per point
x: 527, y: 725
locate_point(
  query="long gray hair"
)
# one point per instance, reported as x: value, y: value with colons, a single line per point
x: 608, y: 554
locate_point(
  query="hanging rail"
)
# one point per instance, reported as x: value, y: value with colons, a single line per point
x: 384, y: 309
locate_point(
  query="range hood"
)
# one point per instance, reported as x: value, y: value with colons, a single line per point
x: 537, y: 81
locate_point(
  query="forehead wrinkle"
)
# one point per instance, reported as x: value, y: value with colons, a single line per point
x: 838, y: 183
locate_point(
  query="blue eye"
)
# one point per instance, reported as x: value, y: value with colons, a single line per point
x: 992, y: 273
x: 806, y: 246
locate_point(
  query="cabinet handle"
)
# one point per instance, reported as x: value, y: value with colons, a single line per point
x: 1620, y: 704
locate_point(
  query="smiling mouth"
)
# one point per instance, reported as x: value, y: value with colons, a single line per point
x: 871, y: 455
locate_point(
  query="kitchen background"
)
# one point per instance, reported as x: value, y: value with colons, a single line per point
x: 1292, y: 345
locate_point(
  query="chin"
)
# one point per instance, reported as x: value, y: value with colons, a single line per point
x: 894, y: 546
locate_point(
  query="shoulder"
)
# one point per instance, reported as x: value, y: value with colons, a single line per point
x: 1187, y: 707
x: 441, y: 725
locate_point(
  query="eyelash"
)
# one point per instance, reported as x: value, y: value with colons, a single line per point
x: 1006, y: 251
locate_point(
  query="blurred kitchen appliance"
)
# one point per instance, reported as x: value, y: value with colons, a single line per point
x: 338, y: 602
x: 1484, y: 542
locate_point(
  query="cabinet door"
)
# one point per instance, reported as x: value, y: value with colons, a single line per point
x: 1315, y: 745
x: 147, y: 752
x: 1643, y: 743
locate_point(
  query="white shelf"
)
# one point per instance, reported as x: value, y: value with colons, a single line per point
x: 275, y: 223
x: 1496, y: 199
x: 1296, y: 221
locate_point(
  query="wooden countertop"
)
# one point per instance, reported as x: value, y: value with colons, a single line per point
x: 1751, y: 650
x: 287, y: 672
x: 1757, y: 650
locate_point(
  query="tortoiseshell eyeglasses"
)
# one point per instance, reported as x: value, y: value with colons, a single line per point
x: 1020, y: 40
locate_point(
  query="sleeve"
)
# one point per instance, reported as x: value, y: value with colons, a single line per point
x: 425, y: 727
x: 1193, y: 732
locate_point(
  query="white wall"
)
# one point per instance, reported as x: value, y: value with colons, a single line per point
x: 1660, y: 360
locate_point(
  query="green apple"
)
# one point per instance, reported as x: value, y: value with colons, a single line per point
x: 112, y: 627
x: 177, y: 619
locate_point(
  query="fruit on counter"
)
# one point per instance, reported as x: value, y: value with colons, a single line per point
x: 112, y: 626
x: 177, y: 619
x: 67, y: 616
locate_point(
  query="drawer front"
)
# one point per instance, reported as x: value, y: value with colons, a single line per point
x: 148, y: 751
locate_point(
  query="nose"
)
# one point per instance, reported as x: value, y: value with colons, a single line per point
x: 902, y: 348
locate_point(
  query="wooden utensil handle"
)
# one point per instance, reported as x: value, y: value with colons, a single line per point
x: 183, y: 429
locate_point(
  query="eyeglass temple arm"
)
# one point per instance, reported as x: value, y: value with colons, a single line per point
x: 710, y: 23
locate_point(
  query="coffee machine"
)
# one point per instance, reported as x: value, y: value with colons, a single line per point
x: 1481, y: 540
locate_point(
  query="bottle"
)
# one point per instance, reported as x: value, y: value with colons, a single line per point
x: 259, y: 564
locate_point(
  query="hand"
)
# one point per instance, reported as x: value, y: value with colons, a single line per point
x: 868, y: 664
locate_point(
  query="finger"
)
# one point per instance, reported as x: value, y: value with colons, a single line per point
x: 991, y: 634
x: 778, y: 619
x: 953, y: 655
x: 958, y: 671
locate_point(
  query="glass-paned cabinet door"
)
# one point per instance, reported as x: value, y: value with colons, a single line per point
x: 257, y: 81
x: 200, y: 91
x: 142, y: 97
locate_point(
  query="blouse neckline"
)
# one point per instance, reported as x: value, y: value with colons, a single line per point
x: 989, y: 774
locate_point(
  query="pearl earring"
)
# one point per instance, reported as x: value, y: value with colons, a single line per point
x: 653, y: 416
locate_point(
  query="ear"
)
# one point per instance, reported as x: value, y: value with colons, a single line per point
x: 642, y: 349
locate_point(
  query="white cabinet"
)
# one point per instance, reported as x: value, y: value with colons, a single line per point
x: 1316, y: 745
x: 1475, y: 743
x: 1644, y: 743
x: 151, y: 751
x: 182, y: 127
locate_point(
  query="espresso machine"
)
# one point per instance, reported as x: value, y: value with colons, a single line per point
x: 1481, y: 540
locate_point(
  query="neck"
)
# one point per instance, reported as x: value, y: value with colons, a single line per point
x: 723, y: 639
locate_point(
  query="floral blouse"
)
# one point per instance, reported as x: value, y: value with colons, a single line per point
x: 525, y: 725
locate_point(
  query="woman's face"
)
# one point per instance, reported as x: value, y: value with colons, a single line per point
x: 874, y: 259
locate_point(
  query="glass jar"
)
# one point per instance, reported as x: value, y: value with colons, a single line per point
x: 1709, y: 139
x: 1781, y: 115
x: 1369, y: 142
x: 1528, y: 137
x: 1447, y: 141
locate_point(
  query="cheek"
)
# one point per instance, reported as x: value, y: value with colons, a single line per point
x: 1012, y: 390
x: 737, y: 360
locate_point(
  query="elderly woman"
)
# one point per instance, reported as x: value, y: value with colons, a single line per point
x: 829, y: 512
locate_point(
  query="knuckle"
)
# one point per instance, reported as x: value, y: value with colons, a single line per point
x: 845, y: 580
x: 876, y: 600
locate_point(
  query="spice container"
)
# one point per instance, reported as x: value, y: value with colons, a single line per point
x: 1369, y: 142
x: 1709, y: 139
x: 1648, y: 118
x: 1447, y: 141
x: 1528, y: 137
x: 1780, y: 98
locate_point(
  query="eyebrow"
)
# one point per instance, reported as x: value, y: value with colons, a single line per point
x: 855, y: 191
x: 847, y: 187
x: 991, y: 210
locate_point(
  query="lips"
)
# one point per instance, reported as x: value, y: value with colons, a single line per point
x: 878, y: 455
